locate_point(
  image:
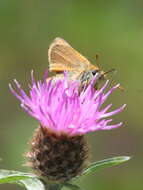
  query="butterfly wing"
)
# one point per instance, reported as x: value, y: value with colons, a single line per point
x: 63, y: 57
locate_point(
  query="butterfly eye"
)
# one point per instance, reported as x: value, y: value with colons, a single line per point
x: 94, y: 72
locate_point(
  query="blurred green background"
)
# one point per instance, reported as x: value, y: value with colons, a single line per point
x: 114, y: 29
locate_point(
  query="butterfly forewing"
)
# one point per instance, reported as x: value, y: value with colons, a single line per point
x: 63, y: 57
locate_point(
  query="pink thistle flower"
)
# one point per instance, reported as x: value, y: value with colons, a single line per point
x: 59, y: 106
x: 66, y: 112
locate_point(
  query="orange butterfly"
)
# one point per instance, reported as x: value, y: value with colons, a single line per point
x: 62, y: 57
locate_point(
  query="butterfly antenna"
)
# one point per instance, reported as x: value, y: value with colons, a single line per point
x: 97, y: 60
x: 114, y: 71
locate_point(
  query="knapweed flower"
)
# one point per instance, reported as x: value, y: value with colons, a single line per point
x: 65, y: 113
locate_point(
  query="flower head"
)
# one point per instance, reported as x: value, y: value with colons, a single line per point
x: 65, y: 112
x: 62, y: 109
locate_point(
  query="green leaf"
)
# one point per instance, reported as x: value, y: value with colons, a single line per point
x: 105, y: 164
x: 72, y: 186
x: 29, y: 181
x: 7, y: 176
x: 32, y: 184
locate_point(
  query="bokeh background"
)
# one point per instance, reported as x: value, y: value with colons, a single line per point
x: 113, y: 29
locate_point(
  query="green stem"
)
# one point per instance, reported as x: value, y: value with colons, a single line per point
x: 72, y: 186
x: 54, y: 187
